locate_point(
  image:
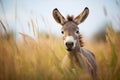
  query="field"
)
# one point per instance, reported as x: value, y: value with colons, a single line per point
x: 41, y: 58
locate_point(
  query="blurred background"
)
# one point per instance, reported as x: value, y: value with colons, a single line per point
x: 31, y: 47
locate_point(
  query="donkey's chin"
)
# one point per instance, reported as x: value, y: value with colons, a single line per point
x: 69, y: 49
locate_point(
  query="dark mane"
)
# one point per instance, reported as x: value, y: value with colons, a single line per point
x: 69, y: 18
x: 80, y: 40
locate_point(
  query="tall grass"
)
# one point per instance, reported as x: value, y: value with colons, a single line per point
x: 40, y: 59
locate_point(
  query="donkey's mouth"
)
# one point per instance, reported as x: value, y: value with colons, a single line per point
x: 69, y: 49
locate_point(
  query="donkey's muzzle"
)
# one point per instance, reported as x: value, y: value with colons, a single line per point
x: 69, y: 45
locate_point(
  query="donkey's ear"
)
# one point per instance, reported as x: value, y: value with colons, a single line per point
x: 82, y: 16
x: 58, y: 16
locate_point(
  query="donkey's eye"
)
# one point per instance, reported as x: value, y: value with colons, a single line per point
x: 77, y: 32
x: 62, y: 32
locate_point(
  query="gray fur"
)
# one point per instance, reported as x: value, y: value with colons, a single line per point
x: 79, y: 55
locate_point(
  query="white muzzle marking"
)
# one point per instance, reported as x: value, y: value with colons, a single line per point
x: 70, y: 39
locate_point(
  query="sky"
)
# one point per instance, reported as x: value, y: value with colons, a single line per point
x: 19, y: 13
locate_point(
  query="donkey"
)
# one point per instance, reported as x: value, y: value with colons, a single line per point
x: 73, y: 42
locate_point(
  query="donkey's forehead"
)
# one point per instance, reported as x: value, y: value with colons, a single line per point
x: 69, y: 25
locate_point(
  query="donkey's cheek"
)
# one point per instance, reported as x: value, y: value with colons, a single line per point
x: 63, y: 37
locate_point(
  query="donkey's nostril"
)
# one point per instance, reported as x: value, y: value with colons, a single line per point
x: 69, y: 44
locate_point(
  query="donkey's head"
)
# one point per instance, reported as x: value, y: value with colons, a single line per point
x: 70, y: 30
